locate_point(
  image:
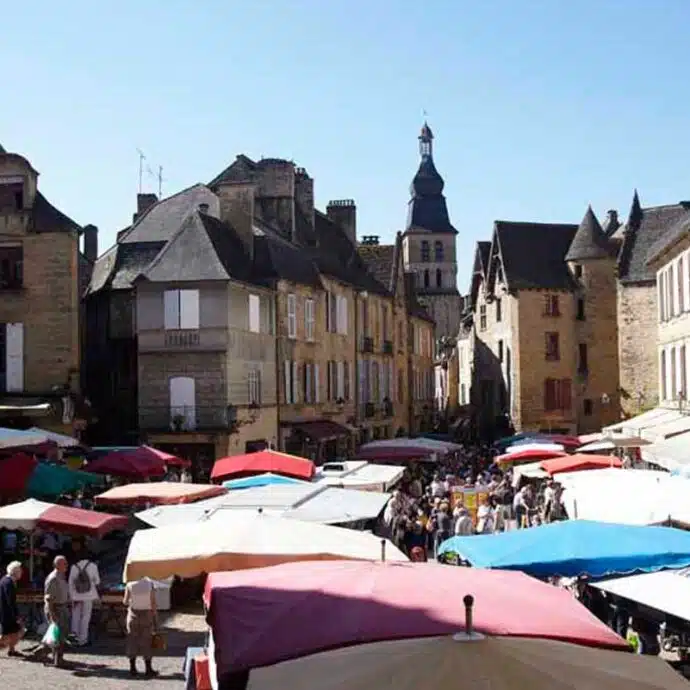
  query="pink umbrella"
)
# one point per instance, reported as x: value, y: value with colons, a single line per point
x: 130, y: 464
x: 252, y: 613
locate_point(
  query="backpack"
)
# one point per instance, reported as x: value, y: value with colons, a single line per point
x: 82, y: 583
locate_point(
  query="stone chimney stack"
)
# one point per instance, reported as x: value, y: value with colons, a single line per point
x: 304, y: 199
x: 612, y: 223
x: 90, y: 242
x: 144, y: 203
x: 237, y: 209
x: 343, y: 212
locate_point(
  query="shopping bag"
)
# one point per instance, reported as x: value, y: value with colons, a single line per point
x: 158, y: 641
x: 52, y: 636
x: 202, y: 672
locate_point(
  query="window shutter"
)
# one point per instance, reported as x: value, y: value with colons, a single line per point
x: 287, y: 370
x: 292, y: 316
x: 308, y: 383
x: 171, y: 310
x: 566, y: 394
x: 340, y: 380
x: 391, y: 383
x: 346, y: 381
x: 328, y: 312
x: 254, y: 314
x: 343, y: 315
x: 295, y: 383
x: 189, y: 309
x: 14, y: 357
x: 317, y: 384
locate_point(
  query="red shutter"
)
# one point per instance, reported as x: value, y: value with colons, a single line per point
x: 548, y: 394
x: 566, y: 394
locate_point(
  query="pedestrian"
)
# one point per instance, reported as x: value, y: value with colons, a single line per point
x: 56, y: 596
x: 84, y: 580
x: 140, y: 600
x: 11, y: 628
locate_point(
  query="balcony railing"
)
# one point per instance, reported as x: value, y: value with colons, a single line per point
x: 182, y: 338
x: 367, y: 344
x: 188, y: 419
x: 387, y: 347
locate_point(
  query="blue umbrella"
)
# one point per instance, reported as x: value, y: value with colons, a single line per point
x: 576, y: 547
x: 266, y: 479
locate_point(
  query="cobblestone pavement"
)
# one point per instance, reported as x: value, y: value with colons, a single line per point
x: 103, y: 666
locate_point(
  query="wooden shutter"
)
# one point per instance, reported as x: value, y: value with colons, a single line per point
x: 14, y: 357
x: 317, y: 384
x: 566, y: 394
x: 295, y: 383
x: 171, y: 310
x: 189, y: 309
x: 292, y: 316
x: 342, y: 315
x: 346, y: 381
x: 254, y: 314
x: 340, y: 380
x: 549, y: 395
x: 287, y: 371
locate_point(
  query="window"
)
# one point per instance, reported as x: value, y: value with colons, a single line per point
x: 426, y: 278
x: 347, y: 393
x: 683, y: 374
x: 374, y: 383
x: 662, y: 368
x: 438, y: 250
x: 181, y: 310
x: 310, y: 382
x: 290, y: 378
x: 182, y: 403
x: 482, y: 317
x: 580, y: 315
x: 681, y: 286
x: 254, y: 387
x: 292, y: 315
x: 401, y: 386
x: 674, y: 383
x: 12, y: 193
x: 660, y: 297
x: 587, y: 407
x: 463, y: 394
x: 439, y: 278
x: 309, y: 319
x: 553, y: 353
x: 557, y: 395
x: 578, y: 271
x: 672, y: 302
x: 342, y: 314
x: 551, y: 305
x: 11, y: 357
x: 11, y: 267
x: 499, y: 310
x: 582, y: 362
x: 426, y: 255
x: 254, y: 313
x: 500, y: 351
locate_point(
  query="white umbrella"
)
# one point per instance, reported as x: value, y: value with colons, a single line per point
x: 612, y: 442
x: 62, y: 440
x: 23, y: 516
x: 246, y: 541
x: 12, y: 438
x: 546, y: 447
x: 474, y: 661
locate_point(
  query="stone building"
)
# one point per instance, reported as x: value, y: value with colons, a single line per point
x: 429, y: 243
x: 250, y: 251
x: 543, y: 314
x: 42, y: 274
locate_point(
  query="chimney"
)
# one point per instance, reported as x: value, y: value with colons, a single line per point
x: 237, y: 209
x: 612, y: 223
x: 304, y: 198
x: 144, y: 203
x: 90, y: 242
x: 370, y: 240
x: 343, y: 212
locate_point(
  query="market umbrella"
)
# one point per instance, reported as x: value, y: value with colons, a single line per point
x: 264, y: 461
x: 473, y: 661
x: 32, y: 514
x: 158, y: 493
x: 244, y: 540
x: 543, y: 446
x: 340, y: 603
x: 13, y: 438
x: 265, y: 479
x: 396, y: 453
x: 577, y: 463
x: 527, y: 455
x: 576, y: 547
x: 128, y: 463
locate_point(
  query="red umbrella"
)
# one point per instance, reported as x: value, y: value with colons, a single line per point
x: 564, y: 440
x: 577, y: 462
x: 131, y: 464
x: 15, y: 472
x: 391, y: 453
x: 341, y: 603
x: 169, y: 459
x: 78, y: 521
x: 527, y: 455
x: 261, y: 462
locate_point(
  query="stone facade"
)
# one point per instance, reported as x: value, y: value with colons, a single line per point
x: 39, y: 293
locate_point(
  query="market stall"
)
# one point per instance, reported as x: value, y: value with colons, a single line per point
x: 158, y: 493
x: 237, y: 466
x: 580, y: 462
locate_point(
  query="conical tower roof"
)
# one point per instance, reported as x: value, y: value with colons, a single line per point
x: 590, y: 241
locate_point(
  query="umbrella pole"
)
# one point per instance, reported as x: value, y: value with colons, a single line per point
x: 383, y: 550
x: 31, y: 555
x: 468, y: 600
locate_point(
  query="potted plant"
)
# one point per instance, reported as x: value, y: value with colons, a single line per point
x: 178, y: 422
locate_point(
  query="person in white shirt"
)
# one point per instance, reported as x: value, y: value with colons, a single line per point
x: 463, y: 525
x: 84, y: 581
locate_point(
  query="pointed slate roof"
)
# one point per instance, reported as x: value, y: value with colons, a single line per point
x: 590, y: 241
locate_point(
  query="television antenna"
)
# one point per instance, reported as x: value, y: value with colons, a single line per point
x: 146, y: 170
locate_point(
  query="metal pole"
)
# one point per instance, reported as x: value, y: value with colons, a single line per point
x: 383, y: 550
x: 468, y: 600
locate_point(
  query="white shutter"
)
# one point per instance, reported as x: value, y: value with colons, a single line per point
x: 183, y: 400
x: 340, y: 380
x: 317, y: 384
x: 254, y: 314
x: 14, y: 357
x: 287, y: 369
x: 292, y: 316
x: 295, y: 383
x: 171, y: 310
x: 329, y: 326
x: 189, y: 309
x: 342, y: 315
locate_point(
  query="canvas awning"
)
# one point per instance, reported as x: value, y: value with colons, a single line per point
x: 672, y: 453
x: 159, y: 493
x: 320, y: 429
x: 635, y: 425
x: 235, y: 466
x: 668, y: 428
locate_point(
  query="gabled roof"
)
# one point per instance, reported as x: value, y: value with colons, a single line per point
x: 380, y: 262
x: 590, y: 241
x: 643, y: 229
x: 46, y: 218
x: 480, y: 270
x: 675, y: 233
x: 532, y: 255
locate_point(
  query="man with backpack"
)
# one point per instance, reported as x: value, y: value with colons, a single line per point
x: 84, y: 581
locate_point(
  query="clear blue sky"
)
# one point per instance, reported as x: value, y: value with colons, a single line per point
x: 539, y: 106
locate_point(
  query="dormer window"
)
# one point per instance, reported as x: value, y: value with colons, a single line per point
x: 12, y: 193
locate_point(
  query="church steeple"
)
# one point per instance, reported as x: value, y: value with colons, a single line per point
x: 426, y: 139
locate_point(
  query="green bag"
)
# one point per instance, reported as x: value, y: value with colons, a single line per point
x: 53, y: 636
